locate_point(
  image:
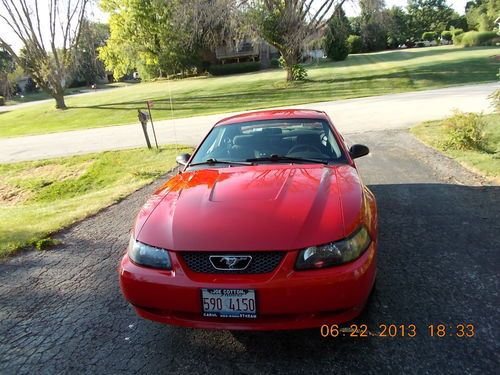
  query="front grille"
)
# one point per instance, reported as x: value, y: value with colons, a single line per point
x: 262, y: 261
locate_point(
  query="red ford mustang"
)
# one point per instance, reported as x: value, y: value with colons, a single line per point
x: 268, y: 226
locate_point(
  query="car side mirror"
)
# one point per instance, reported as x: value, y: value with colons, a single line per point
x: 182, y: 159
x: 356, y: 151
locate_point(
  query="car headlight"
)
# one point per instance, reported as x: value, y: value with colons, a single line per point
x: 148, y: 256
x: 334, y: 253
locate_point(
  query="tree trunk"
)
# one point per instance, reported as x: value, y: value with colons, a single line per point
x: 291, y: 59
x: 59, y: 97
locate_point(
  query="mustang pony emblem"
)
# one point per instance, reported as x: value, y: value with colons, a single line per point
x: 230, y: 262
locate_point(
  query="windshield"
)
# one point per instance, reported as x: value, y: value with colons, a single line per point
x: 290, y: 138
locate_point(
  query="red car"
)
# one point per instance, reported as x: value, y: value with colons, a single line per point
x: 268, y: 226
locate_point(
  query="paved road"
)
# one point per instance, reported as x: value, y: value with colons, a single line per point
x: 350, y: 116
x: 61, y: 311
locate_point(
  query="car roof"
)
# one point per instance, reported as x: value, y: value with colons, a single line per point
x: 273, y: 114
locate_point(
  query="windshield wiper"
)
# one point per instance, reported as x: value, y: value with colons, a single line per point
x: 279, y: 158
x: 213, y: 161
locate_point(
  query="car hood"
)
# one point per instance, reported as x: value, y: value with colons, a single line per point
x: 265, y: 207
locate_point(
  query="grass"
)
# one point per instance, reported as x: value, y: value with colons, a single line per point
x: 358, y: 76
x: 39, y: 198
x: 41, y: 95
x: 486, y: 161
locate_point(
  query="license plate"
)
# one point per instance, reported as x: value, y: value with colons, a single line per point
x: 229, y: 303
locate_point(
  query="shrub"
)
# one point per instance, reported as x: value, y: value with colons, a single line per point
x: 236, y: 68
x: 275, y: 63
x: 355, y: 43
x: 447, y: 35
x: 477, y: 38
x: 429, y: 36
x: 2, y: 100
x: 457, y: 38
x: 495, y: 100
x: 299, y: 73
x: 31, y: 86
x: 464, y: 131
x: 337, y: 50
x: 456, y: 32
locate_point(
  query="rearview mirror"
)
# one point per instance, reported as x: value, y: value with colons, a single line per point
x: 356, y: 151
x: 182, y: 159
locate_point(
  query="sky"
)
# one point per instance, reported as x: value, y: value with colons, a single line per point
x: 350, y: 8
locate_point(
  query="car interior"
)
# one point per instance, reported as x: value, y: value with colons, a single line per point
x: 243, y: 142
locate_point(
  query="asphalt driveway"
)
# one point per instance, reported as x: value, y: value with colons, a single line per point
x: 61, y: 311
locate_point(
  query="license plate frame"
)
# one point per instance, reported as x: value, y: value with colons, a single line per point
x: 229, y: 303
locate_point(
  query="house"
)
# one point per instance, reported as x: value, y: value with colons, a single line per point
x: 246, y: 49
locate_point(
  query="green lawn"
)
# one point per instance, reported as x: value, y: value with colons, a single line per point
x: 486, y: 161
x: 358, y: 76
x: 41, y: 95
x: 39, y: 198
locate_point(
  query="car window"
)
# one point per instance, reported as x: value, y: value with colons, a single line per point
x: 297, y: 138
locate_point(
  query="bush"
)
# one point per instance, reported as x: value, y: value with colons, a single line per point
x: 337, y: 50
x: 464, y: 131
x: 30, y: 87
x: 2, y: 100
x: 236, y: 68
x: 447, y: 35
x: 355, y: 43
x: 299, y: 73
x: 429, y: 36
x: 275, y: 63
x: 456, y: 32
x: 476, y: 38
x: 494, y: 97
x: 457, y: 38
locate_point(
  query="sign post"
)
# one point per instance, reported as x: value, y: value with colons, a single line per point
x: 143, y: 118
x: 150, y: 105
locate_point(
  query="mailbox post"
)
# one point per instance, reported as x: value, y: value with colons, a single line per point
x: 143, y: 118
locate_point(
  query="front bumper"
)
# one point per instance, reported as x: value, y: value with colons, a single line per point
x: 286, y: 299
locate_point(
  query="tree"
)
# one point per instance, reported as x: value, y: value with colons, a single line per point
x: 6, y: 66
x: 46, y: 58
x: 458, y: 21
x: 428, y: 15
x: 88, y: 67
x: 396, y: 27
x: 338, y: 30
x: 288, y: 25
x: 481, y: 14
x: 373, y: 33
x: 141, y: 37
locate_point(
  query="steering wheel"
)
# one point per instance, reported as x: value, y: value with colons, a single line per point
x: 304, y: 147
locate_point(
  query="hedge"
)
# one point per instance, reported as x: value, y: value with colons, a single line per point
x: 2, y: 100
x: 476, y: 38
x: 429, y: 36
x: 236, y: 68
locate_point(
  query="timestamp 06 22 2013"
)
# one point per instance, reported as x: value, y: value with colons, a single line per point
x: 398, y: 330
